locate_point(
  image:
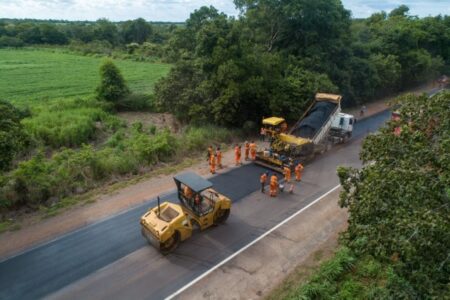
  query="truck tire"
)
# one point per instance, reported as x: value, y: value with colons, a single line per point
x: 221, y: 216
x: 171, y: 244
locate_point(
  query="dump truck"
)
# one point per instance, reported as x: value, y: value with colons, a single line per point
x: 200, y: 207
x: 321, y: 125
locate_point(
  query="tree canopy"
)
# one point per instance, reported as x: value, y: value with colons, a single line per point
x: 399, y: 203
x: 279, y: 53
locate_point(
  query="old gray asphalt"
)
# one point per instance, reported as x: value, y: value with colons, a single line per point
x: 52, y: 266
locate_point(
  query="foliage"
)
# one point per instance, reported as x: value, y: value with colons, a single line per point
x: 399, y: 203
x: 34, y: 32
x: 43, y: 180
x: 112, y: 87
x: 12, y: 136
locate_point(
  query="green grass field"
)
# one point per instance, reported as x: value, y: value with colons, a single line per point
x: 30, y: 75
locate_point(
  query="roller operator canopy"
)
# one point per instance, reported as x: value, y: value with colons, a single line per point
x: 274, y: 121
x: 194, y: 181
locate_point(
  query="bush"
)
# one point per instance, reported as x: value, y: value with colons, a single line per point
x: 112, y: 87
x: 7, y: 41
x: 12, y: 136
x: 64, y: 128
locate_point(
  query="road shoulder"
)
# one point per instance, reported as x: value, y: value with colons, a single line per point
x: 258, y: 270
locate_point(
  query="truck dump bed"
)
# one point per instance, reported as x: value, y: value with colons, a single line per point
x: 316, y: 121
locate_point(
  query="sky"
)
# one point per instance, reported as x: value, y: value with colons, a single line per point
x: 179, y: 10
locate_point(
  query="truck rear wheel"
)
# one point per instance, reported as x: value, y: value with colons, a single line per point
x: 171, y: 244
x: 221, y: 216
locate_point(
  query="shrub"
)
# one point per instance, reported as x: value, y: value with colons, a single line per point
x: 12, y: 135
x: 112, y: 85
x: 64, y: 128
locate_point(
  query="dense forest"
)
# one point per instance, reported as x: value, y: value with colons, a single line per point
x: 278, y: 54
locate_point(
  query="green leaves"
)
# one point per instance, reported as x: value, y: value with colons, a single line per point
x: 112, y: 86
x: 398, y: 203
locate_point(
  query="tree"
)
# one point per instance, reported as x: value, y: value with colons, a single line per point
x: 399, y: 202
x: 112, y: 86
x: 136, y: 31
x: 12, y: 136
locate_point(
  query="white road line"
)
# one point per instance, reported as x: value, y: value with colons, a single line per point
x: 249, y: 245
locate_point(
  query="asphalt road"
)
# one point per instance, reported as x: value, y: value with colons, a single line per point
x: 92, y: 262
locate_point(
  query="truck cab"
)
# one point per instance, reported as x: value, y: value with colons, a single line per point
x: 342, y: 126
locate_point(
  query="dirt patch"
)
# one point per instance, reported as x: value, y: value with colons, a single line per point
x: 159, y: 120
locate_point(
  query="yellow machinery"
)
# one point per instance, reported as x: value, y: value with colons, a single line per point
x: 321, y: 125
x: 167, y: 224
x: 274, y: 126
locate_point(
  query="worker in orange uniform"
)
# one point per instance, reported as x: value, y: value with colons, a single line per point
x: 237, y: 155
x: 208, y: 154
x: 212, y: 164
x: 246, y: 150
x: 273, y: 185
x: 253, y: 150
x: 298, y: 172
x: 219, y: 158
x: 287, y: 174
x: 263, y: 180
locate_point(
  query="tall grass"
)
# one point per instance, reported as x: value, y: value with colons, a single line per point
x: 69, y: 123
x: 38, y: 179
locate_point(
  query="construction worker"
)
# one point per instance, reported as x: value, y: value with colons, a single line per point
x: 188, y: 193
x: 263, y: 180
x: 208, y: 155
x: 212, y: 164
x: 262, y: 133
x: 237, y: 155
x: 246, y: 149
x: 219, y: 158
x: 298, y: 172
x: 287, y: 174
x: 253, y: 150
x: 273, y: 185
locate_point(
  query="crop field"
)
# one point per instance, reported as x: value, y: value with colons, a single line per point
x: 30, y: 75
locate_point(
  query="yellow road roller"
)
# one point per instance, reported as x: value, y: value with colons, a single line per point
x: 168, y: 224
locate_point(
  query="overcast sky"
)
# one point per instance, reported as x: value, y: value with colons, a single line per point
x: 179, y: 10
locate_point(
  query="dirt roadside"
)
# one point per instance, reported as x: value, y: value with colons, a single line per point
x: 35, y: 230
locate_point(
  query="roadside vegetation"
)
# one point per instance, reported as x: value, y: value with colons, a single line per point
x: 396, y: 244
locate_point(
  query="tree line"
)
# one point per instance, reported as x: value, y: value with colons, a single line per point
x: 18, y: 33
x: 277, y: 54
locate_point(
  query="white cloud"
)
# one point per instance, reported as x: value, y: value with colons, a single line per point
x: 179, y: 10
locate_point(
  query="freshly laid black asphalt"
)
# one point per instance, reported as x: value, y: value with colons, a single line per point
x: 54, y: 265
